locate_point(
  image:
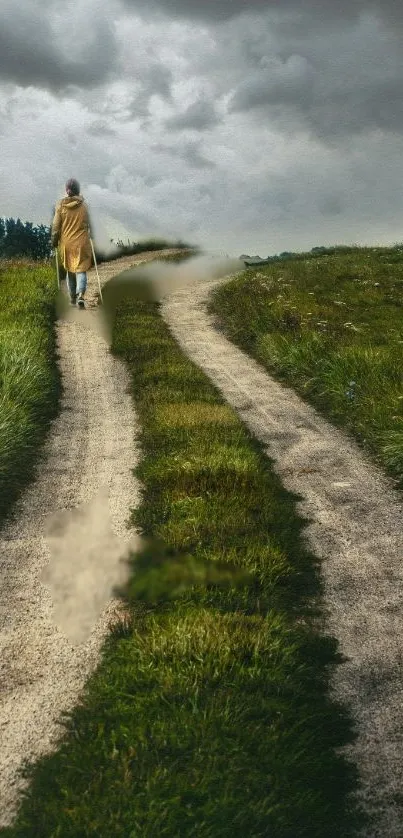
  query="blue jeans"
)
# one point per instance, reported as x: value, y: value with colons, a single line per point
x: 77, y: 282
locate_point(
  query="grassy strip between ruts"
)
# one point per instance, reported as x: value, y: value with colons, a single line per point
x: 209, y: 714
x: 29, y: 377
x: 332, y: 328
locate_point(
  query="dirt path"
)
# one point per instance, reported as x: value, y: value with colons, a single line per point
x: 356, y: 527
x: 52, y: 621
x: 61, y: 554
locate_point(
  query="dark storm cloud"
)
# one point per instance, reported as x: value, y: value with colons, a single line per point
x: 197, y: 117
x: 319, y: 11
x: 211, y: 10
x: 221, y: 10
x: 30, y: 55
x: 333, y: 84
x: 367, y: 98
x: 367, y: 107
x: 289, y: 82
x: 333, y: 69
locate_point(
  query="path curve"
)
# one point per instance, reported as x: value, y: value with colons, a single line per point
x: 356, y: 528
x: 53, y: 579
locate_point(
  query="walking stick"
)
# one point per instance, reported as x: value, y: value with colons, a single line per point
x: 96, y: 268
x: 57, y: 267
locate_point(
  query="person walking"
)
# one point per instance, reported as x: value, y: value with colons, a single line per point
x: 71, y: 233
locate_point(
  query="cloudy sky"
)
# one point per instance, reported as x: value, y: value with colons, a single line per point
x: 245, y: 126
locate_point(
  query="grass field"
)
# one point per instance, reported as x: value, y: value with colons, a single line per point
x: 209, y: 714
x: 331, y: 327
x: 29, y: 377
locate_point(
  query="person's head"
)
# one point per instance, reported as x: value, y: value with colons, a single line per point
x: 72, y: 187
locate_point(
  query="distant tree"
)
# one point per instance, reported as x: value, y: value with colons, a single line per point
x: 2, y: 233
x: 41, y: 243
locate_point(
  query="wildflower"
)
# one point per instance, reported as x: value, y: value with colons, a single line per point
x: 350, y: 393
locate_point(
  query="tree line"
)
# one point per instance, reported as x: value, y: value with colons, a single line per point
x: 24, y: 239
x: 18, y: 239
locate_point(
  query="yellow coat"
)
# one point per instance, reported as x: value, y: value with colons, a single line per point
x: 71, y: 233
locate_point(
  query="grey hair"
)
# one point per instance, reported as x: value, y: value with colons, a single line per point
x: 72, y: 187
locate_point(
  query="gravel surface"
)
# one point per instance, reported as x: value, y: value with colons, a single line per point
x: 356, y: 527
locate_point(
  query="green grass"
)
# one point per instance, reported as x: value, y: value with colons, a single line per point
x: 331, y: 327
x: 210, y: 712
x: 29, y: 378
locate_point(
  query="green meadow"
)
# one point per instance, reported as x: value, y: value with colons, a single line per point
x: 29, y: 377
x: 210, y: 712
x: 330, y: 327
